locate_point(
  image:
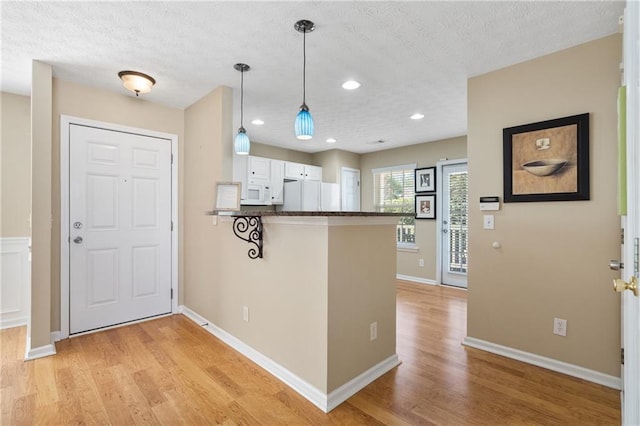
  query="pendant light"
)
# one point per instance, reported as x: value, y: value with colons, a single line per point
x: 242, y: 143
x: 304, y: 122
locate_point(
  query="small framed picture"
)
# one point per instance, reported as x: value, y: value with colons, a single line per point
x: 228, y: 196
x: 426, y: 206
x: 425, y: 179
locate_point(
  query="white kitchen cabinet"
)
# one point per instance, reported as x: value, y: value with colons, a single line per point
x: 293, y: 170
x: 312, y: 173
x: 277, y: 181
x: 300, y: 171
x: 259, y: 168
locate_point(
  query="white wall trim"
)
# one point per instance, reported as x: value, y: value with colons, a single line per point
x: 415, y: 279
x: 544, y: 362
x: 354, y: 385
x: 318, y: 398
x: 65, y: 122
x: 41, y: 351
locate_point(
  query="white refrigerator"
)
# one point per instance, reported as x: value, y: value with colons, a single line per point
x: 310, y: 195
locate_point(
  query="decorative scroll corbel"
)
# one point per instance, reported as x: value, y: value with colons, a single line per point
x: 249, y: 229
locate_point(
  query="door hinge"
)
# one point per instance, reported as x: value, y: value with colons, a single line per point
x: 622, y: 356
x: 171, y: 158
x: 171, y: 294
x: 172, y: 225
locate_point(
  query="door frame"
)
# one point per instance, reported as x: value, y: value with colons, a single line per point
x: 65, y: 122
x: 439, y: 211
x: 342, y: 192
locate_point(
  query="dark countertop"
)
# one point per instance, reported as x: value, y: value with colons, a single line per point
x: 289, y: 213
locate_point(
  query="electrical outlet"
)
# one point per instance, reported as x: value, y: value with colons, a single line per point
x: 421, y: 263
x: 560, y: 326
x: 245, y: 313
x: 373, y: 330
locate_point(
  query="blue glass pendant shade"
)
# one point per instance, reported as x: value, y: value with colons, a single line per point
x: 242, y: 143
x: 304, y: 124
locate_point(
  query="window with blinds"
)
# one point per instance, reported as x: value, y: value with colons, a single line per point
x: 394, y: 193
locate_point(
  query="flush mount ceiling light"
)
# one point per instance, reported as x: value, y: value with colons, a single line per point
x: 350, y: 85
x: 136, y: 81
x: 332, y: 140
x: 257, y: 122
x: 242, y: 143
x: 304, y: 122
x: 417, y: 116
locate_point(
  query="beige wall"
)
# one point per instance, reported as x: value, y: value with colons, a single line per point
x: 96, y: 104
x: 332, y: 162
x: 268, y: 151
x: 425, y: 155
x: 39, y: 328
x: 15, y: 170
x: 554, y: 255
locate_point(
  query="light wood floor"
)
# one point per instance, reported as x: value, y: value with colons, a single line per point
x: 170, y: 371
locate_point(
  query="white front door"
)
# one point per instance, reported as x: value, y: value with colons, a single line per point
x: 119, y: 226
x: 631, y: 303
x: 454, y: 224
x: 350, y: 189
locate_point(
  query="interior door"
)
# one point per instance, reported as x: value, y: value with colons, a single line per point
x: 120, y: 227
x: 455, y: 224
x: 350, y: 189
x: 631, y: 302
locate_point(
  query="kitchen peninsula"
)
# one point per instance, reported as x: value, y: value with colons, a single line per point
x: 318, y: 310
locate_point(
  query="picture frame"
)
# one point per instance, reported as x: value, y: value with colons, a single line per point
x: 547, y: 160
x: 425, y: 179
x: 228, y: 196
x: 426, y: 206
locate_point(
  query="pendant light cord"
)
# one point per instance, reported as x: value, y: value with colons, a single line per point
x: 241, y: 98
x: 304, y: 67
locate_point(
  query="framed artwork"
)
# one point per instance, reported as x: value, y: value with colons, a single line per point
x: 426, y: 206
x: 228, y: 196
x: 547, y: 161
x: 425, y: 179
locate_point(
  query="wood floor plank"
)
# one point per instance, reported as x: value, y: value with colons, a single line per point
x: 171, y: 371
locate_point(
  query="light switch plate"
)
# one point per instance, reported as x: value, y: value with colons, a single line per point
x: 488, y: 221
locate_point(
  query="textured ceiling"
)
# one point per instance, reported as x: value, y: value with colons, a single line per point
x: 409, y: 57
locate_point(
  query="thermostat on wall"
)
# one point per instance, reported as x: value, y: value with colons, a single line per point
x: 489, y: 203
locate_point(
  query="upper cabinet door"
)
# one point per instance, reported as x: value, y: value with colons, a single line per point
x: 313, y: 173
x: 293, y: 170
x: 259, y: 168
x: 277, y: 181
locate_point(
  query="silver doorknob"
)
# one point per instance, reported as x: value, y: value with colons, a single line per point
x: 616, y: 265
x: 77, y: 240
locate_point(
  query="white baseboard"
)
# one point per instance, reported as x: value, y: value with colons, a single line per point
x: 318, y: 398
x: 13, y: 322
x: 39, y: 352
x: 544, y: 362
x: 415, y: 279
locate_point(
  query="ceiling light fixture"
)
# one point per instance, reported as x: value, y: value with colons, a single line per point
x: 304, y: 122
x: 350, y: 85
x: 332, y: 140
x: 257, y: 122
x: 242, y: 144
x: 417, y: 116
x: 136, y: 81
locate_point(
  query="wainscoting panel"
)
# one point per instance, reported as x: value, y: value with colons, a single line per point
x: 15, y: 280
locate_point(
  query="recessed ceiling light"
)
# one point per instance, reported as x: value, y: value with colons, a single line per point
x: 417, y: 116
x: 257, y: 122
x: 350, y: 85
x: 332, y: 140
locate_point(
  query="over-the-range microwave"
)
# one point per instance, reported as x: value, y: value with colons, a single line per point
x: 258, y: 194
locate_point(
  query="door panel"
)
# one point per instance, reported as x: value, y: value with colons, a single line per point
x: 350, y: 189
x: 120, y: 222
x: 455, y: 225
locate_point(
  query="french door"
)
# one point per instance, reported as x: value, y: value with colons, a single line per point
x: 454, y: 224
